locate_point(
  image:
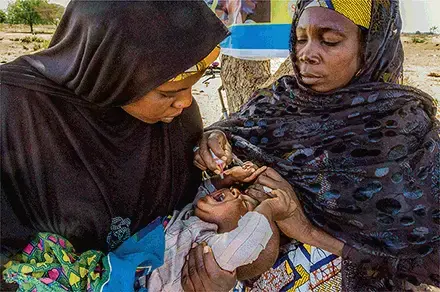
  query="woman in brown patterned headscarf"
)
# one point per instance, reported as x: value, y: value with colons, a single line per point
x: 361, y: 151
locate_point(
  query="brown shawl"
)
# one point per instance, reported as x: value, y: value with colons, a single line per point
x: 364, y: 160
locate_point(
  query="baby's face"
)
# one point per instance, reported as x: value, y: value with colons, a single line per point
x: 224, y: 208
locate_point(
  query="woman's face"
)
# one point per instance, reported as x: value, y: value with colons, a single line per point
x: 165, y: 102
x: 328, y: 49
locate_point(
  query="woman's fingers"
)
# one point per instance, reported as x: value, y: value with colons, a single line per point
x: 272, y: 179
x: 248, y: 164
x: 268, y: 181
x: 279, y: 193
x: 282, y: 196
x: 255, y: 174
x: 228, y: 151
x: 198, y: 162
x: 202, y: 273
x: 187, y: 285
x: 200, y: 263
x: 275, y: 193
x: 271, y: 173
x: 195, y: 260
x: 220, y: 278
x: 256, y: 192
x: 220, y: 146
x: 216, y: 142
x: 206, y: 155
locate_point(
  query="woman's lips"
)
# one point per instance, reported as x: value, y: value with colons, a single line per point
x: 177, y: 114
x: 310, y: 79
x: 169, y: 119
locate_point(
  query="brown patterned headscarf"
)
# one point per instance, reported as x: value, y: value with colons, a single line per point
x: 363, y: 159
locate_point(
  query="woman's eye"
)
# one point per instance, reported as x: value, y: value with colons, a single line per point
x: 166, y: 96
x: 330, y: 44
x: 301, y: 41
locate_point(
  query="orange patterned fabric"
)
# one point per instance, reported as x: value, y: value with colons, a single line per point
x: 358, y: 11
x: 199, y: 67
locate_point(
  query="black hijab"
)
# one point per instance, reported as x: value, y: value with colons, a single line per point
x: 73, y: 162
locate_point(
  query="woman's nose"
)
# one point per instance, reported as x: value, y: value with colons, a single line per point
x: 309, y: 54
x: 183, y: 101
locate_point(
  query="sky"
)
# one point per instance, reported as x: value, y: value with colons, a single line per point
x: 416, y: 14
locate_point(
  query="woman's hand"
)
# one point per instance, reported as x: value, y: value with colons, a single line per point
x: 216, y: 141
x: 279, y: 207
x: 297, y: 225
x: 257, y: 192
x: 202, y: 273
x: 246, y: 173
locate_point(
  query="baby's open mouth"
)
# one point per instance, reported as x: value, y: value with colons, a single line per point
x: 219, y: 197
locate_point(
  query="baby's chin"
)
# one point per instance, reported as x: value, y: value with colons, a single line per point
x: 197, y: 212
x: 203, y: 214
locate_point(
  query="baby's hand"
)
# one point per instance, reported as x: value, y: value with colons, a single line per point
x: 245, y: 173
x: 281, y: 205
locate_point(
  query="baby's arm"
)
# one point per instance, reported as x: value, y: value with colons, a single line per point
x: 265, y: 260
x: 280, y: 206
x: 242, y: 245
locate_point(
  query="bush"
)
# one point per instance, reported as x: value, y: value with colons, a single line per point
x: 417, y: 40
x: 42, y: 45
x: 30, y: 39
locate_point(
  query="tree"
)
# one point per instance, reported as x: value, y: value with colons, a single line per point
x: 25, y: 11
x: 32, y: 12
x: 433, y: 30
x: 50, y: 13
x: 240, y: 78
x: 2, y: 16
x: 286, y: 68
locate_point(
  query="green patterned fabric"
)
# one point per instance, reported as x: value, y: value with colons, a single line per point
x: 50, y: 263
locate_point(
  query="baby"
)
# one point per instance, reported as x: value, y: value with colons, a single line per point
x: 230, y: 222
x: 233, y: 225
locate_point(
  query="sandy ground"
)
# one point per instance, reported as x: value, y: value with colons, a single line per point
x: 421, y: 60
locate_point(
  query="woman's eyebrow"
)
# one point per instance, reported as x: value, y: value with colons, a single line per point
x: 332, y: 30
x: 172, y: 91
x: 324, y: 29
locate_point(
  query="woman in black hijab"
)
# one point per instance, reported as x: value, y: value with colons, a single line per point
x: 95, y: 142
